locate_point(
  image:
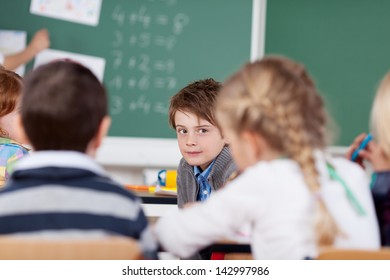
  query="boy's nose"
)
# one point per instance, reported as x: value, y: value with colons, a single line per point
x: 191, y: 140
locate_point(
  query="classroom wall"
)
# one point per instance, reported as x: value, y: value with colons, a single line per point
x: 345, y: 45
x: 133, y: 160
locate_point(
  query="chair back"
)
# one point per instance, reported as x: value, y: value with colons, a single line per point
x: 111, y: 248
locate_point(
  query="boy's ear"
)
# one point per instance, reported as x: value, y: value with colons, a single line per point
x: 95, y: 143
x: 103, y: 130
x: 21, y: 134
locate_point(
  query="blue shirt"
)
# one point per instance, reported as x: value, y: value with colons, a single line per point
x: 204, y: 186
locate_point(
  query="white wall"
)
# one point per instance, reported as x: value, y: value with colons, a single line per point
x: 137, y: 160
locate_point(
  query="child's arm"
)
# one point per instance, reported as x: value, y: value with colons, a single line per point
x: 39, y: 42
x: 372, y: 152
x: 186, y: 231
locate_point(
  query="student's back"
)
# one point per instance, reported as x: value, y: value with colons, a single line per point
x: 60, y: 191
x: 347, y: 197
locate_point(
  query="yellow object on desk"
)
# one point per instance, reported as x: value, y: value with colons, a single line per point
x: 167, y: 178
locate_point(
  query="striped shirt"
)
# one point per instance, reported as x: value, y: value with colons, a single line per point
x: 66, y: 194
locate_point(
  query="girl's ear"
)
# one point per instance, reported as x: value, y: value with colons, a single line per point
x: 224, y: 138
x: 256, y: 142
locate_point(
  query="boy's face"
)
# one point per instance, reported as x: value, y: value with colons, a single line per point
x: 200, y: 142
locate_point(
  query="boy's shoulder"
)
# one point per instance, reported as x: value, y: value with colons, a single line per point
x: 66, y: 169
x: 225, y: 156
x: 224, y: 164
x: 69, y: 179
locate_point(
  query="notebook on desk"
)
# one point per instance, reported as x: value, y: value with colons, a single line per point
x: 165, y: 191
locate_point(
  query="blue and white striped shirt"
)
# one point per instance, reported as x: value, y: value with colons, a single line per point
x: 66, y: 194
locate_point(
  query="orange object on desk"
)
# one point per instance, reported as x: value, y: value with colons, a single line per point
x: 138, y: 188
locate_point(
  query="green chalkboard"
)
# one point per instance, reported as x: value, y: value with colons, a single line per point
x: 344, y: 44
x: 152, y: 49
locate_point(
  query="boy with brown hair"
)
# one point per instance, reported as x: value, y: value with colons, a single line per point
x: 207, y: 163
x: 60, y: 191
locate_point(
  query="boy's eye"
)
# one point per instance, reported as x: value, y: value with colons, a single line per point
x: 203, y: 130
x: 182, y: 131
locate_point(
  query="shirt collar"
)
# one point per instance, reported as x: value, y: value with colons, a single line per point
x: 66, y: 159
x: 4, y: 140
x: 205, y: 172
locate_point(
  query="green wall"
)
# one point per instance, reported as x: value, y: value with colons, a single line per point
x: 346, y: 47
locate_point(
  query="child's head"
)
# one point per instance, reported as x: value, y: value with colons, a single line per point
x: 11, y: 85
x: 191, y: 114
x: 380, y: 115
x: 64, y: 108
x: 271, y: 107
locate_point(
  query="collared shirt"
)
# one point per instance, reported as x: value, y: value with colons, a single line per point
x: 10, y: 152
x: 204, y: 186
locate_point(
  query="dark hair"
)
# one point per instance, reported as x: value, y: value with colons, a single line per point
x: 198, y: 98
x: 11, y: 85
x: 62, y: 106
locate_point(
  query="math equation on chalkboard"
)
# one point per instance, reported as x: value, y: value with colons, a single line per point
x: 142, y: 52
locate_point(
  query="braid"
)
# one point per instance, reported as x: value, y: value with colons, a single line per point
x: 325, y: 226
x: 298, y: 142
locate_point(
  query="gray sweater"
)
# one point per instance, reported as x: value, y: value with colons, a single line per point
x: 187, y: 186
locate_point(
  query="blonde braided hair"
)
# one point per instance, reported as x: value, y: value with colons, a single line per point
x: 276, y: 98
